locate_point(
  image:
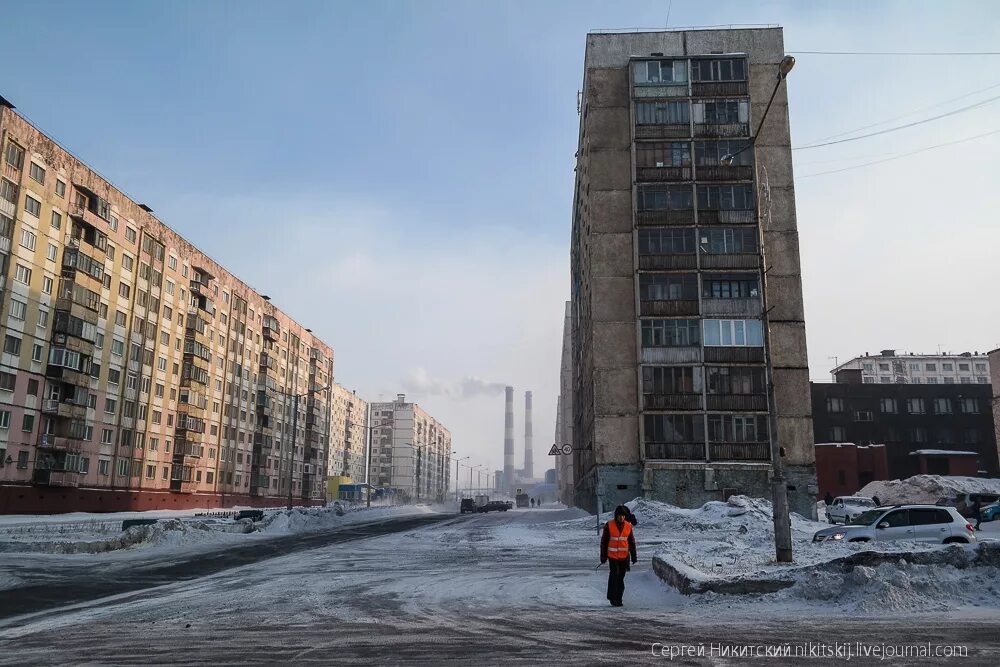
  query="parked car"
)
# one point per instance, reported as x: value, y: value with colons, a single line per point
x: 495, y: 506
x: 468, y: 505
x: 963, y: 502
x: 846, y: 508
x: 922, y: 523
x: 990, y: 512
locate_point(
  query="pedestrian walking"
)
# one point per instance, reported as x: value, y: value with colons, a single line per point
x: 828, y: 499
x: 617, y: 547
x: 977, y: 512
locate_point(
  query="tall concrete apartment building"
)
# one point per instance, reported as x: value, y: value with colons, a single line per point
x: 348, y: 435
x: 137, y: 372
x: 668, y: 360
x: 564, y: 413
x: 890, y: 367
x: 410, y: 450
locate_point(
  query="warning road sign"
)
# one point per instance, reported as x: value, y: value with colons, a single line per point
x: 554, y: 451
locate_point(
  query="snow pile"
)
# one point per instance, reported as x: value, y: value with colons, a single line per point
x: 306, y: 519
x: 927, y: 488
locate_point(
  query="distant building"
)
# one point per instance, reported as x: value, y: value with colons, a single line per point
x: 843, y: 468
x: 348, y: 436
x: 907, y: 418
x: 411, y: 451
x: 890, y: 367
x: 564, y: 413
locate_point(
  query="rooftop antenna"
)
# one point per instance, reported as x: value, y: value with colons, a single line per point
x: 939, y: 349
x: 836, y: 362
x: 670, y: 5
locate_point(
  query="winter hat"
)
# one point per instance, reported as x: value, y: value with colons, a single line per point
x: 621, y: 510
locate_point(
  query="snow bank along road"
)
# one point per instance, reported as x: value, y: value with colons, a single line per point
x: 516, y: 587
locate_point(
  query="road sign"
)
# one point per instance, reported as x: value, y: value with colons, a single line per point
x: 567, y: 449
x: 554, y: 451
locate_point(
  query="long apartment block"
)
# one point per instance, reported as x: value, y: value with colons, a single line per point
x: 668, y: 359
x: 137, y: 372
x: 410, y: 450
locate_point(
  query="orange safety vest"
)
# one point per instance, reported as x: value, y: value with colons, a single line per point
x: 618, y: 541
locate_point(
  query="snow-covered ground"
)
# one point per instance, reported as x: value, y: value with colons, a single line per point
x: 927, y: 488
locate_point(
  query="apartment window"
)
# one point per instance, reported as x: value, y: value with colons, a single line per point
x: 862, y: 415
x: 22, y: 459
x: 124, y: 290
x: 110, y: 405
x: 32, y: 206
x: 673, y: 429
x: 22, y: 274
x: 4, y: 419
x: 888, y: 406
x: 915, y: 406
x: 868, y: 380
x: 12, y: 345
x: 948, y: 380
x: 28, y: 423
x: 963, y: 367
x: 980, y: 368
x: 37, y: 173
x: 666, y: 198
x: 662, y: 113
x: 47, y: 285
x: 932, y: 380
x: 733, y: 333
x: 914, y: 367
x: 947, y: 367
x: 968, y: 406
x: 668, y: 287
x: 663, y: 154
x: 834, y: 404
x: 50, y: 254
x: 161, y: 363
x: 660, y: 72
x: 14, y: 155
x: 28, y: 239
x: 666, y: 241
x: 737, y: 428
x: 7, y: 381
x: 721, y: 112
x: 710, y: 153
x: 838, y: 434
x: 736, y: 380
x: 884, y: 379
x: 120, y: 318
x: 8, y: 191
x: 18, y: 309
x: 725, y: 197
x: 965, y: 380
x: 718, y: 69
x: 667, y: 380
x: 112, y: 221
x: 916, y: 380
x: 168, y: 313
x: 107, y: 436
x: 60, y: 189
x: 718, y: 241
x: 970, y: 436
x: 931, y: 367
x: 117, y: 347
x: 172, y: 263
x: 37, y: 352
x: 869, y: 368
x: 669, y: 333
x: 150, y: 471
x: 127, y: 262
x: 130, y: 234
x: 103, y: 467
x: 110, y: 252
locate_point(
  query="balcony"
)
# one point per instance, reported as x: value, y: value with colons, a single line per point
x: 665, y: 217
x: 740, y: 402
x: 673, y: 131
x: 718, y: 88
x: 655, y: 262
x: 4, y: 245
x: 668, y: 308
x: 742, y: 307
x: 86, y: 215
x: 67, y: 375
x: 671, y: 355
x: 731, y: 217
x: 73, y: 344
x: 64, y: 409
x: 11, y: 173
x: 271, y: 329
x: 721, y: 130
x: 51, y: 477
x: 683, y: 451
x: 730, y: 261
x: 181, y: 486
x: 724, y: 173
x: 740, y: 355
x: 656, y: 174
x: 671, y: 401
x: 60, y: 443
x: 740, y: 451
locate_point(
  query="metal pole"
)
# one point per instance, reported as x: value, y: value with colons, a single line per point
x: 368, y: 461
x: 291, y: 452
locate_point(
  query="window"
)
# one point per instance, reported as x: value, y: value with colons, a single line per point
x: 948, y: 380
x: 660, y: 71
x: 8, y: 191
x: 127, y: 262
x: 966, y: 380
x: 130, y: 234
x: 28, y: 239
x: 834, y: 404
x: 117, y: 347
x: 968, y: 406
x: 721, y: 112
x: 862, y: 415
x: 710, y: 153
x: 32, y: 206
x: 888, y: 406
x: 914, y: 367
x: 942, y: 406
x: 110, y: 405
x: 931, y: 367
x: 668, y: 287
x: 123, y: 467
x: 666, y: 241
x: 110, y: 252
x: 737, y: 428
x: 172, y: 263
x: 120, y: 318
x: 124, y: 290
x: 884, y: 379
x: 721, y: 241
x: 47, y: 285
x: 22, y: 274
x: 103, y: 467
x: 868, y: 380
x: 22, y: 459
x: 733, y: 333
x: 4, y: 419
x: 915, y: 406
x: 168, y: 313
x: 947, y: 367
x: 718, y: 69
x: 14, y: 155
x: 37, y: 173
x: 663, y: 154
x: 60, y: 188
x: 669, y: 333
x: 897, y: 519
x: 18, y: 309
x: 932, y: 380
x: 662, y: 113
x: 170, y: 287
x: 28, y: 423
x: 37, y: 352
x: 980, y: 368
x: 963, y: 367
x: 672, y: 429
x: 150, y: 471
x: 667, y: 380
x: 736, y: 380
x: 12, y: 345
x: 7, y: 381
x: 982, y: 380
x: 666, y: 198
x: 725, y: 197
x: 869, y: 368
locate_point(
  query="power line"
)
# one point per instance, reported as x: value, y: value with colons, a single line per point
x: 897, y: 157
x: 896, y: 53
x: 899, y: 127
x: 910, y: 113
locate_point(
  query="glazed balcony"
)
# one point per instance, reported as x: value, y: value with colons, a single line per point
x: 730, y: 261
x: 724, y: 173
x: 663, y: 131
x: 671, y: 402
x: 739, y: 451
x: 737, y: 402
x: 659, y: 174
x: 55, y: 477
x: 669, y: 307
x: 657, y: 262
x: 64, y: 409
x: 722, y: 131
x: 671, y: 355
x: 718, y: 88
x: 742, y: 307
x: 740, y: 355
x: 665, y: 217
x: 60, y: 443
x: 727, y: 217
x: 678, y: 451
x: 271, y: 328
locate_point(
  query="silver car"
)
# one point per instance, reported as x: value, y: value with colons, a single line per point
x: 921, y: 523
x: 847, y: 508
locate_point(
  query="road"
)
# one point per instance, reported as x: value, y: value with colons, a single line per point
x: 426, y: 590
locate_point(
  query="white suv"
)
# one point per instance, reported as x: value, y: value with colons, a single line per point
x: 847, y: 508
x: 921, y: 523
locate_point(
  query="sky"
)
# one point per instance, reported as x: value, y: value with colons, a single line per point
x: 398, y: 176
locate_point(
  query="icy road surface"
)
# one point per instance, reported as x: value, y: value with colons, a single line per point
x: 515, y: 587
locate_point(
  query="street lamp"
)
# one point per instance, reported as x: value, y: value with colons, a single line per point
x: 456, y: 474
x: 779, y: 491
x: 295, y: 425
x: 368, y: 457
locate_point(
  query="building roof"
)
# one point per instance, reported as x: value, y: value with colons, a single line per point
x: 942, y: 452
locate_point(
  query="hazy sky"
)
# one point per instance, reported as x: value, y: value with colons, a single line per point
x: 398, y: 175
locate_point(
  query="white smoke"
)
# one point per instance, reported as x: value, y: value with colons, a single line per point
x: 419, y: 382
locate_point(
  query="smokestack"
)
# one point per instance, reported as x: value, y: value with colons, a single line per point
x: 529, y: 466
x: 508, y: 441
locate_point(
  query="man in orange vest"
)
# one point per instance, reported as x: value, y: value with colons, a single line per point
x: 617, y: 546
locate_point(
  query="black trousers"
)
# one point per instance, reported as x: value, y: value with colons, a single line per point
x: 616, y: 579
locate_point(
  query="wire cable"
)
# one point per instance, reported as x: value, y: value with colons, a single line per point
x: 896, y: 53
x: 899, y: 127
x: 897, y: 157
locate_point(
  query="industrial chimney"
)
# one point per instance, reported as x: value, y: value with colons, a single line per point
x: 508, y: 441
x: 529, y: 472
